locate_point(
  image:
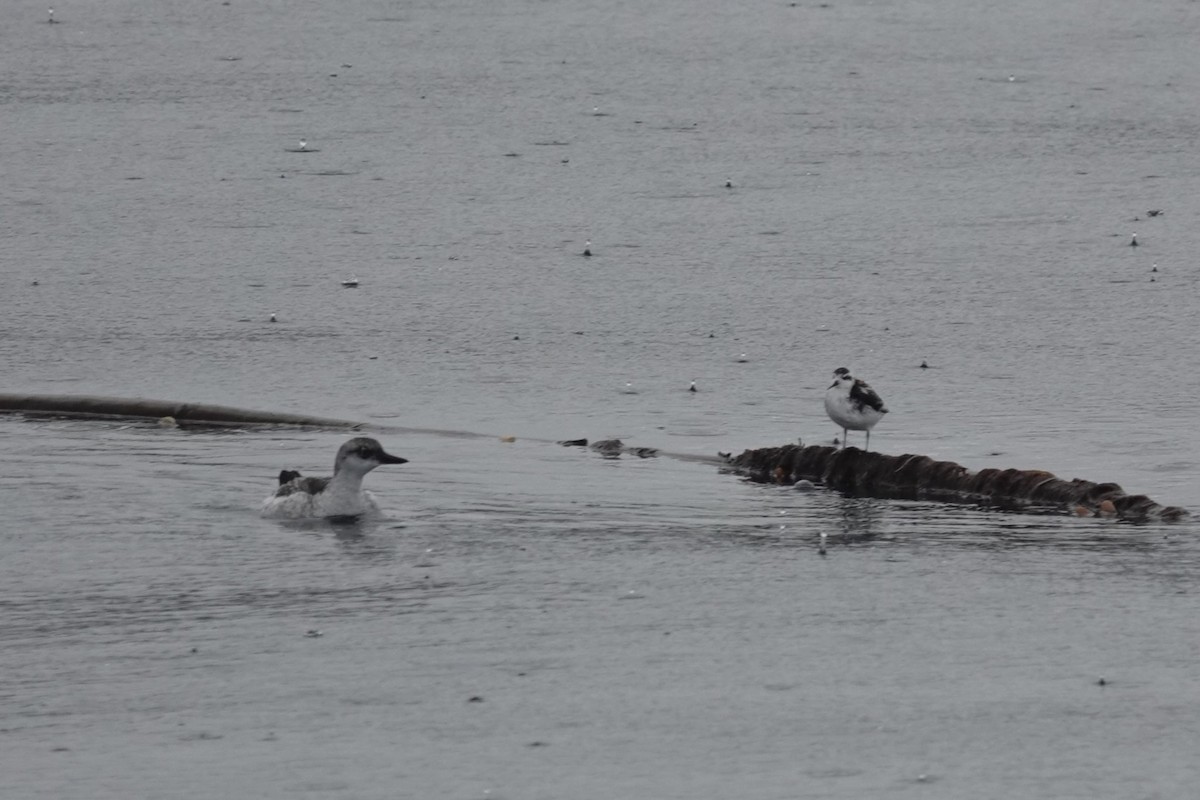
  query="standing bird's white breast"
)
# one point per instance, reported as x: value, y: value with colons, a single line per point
x: 852, y: 404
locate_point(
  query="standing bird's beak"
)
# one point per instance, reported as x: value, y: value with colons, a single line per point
x: 388, y: 458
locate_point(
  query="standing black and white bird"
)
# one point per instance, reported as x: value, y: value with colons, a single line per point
x: 853, y: 404
x: 339, y: 496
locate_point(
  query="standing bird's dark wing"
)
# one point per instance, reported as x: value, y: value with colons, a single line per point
x: 864, y: 396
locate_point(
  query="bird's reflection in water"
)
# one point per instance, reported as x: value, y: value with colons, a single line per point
x: 859, y: 519
x: 361, y: 538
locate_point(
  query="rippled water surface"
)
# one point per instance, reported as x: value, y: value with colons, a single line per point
x: 952, y: 182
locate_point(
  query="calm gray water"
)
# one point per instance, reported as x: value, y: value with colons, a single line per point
x: 953, y: 182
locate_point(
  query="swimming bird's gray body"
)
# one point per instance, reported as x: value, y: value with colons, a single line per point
x: 340, y: 495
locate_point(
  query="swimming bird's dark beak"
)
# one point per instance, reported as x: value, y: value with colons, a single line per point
x: 388, y: 458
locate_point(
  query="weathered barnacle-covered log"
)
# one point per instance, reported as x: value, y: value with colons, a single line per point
x: 918, y: 477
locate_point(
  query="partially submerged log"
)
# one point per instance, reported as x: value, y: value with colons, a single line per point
x: 92, y: 407
x: 849, y: 470
x: 916, y: 477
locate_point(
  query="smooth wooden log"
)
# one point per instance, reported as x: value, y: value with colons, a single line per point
x: 90, y: 406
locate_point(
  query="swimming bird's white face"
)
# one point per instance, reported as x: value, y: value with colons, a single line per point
x: 357, y: 464
x: 360, y: 456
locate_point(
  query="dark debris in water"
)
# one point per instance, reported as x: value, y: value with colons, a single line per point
x: 612, y: 448
x: 609, y: 448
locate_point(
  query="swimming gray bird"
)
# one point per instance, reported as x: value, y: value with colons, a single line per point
x: 341, y: 495
x: 852, y: 404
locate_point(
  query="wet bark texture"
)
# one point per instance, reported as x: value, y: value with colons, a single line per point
x: 916, y: 477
